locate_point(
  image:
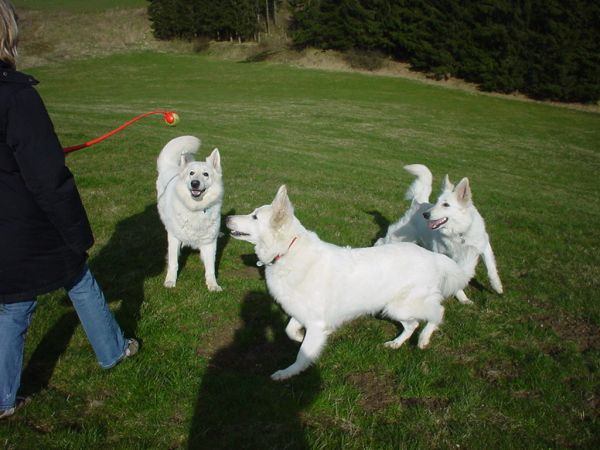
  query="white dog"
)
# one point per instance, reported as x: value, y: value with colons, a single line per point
x: 321, y: 286
x: 190, y: 194
x: 447, y: 226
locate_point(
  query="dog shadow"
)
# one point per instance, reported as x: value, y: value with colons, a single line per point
x: 250, y: 260
x: 238, y: 405
x: 135, y: 252
x: 381, y: 221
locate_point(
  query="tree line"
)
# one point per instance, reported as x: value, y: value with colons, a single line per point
x: 239, y: 20
x: 547, y: 49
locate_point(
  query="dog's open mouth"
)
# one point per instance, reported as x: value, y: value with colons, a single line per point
x: 239, y: 233
x: 197, y: 192
x: 435, y: 224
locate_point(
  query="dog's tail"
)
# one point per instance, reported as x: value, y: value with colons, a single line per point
x: 420, y: 189
x: 172, y: 153
x: 457, y: 275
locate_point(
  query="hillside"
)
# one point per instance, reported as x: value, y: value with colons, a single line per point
x: 51, y: 33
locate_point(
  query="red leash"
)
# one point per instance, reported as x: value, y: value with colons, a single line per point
x: 170, y: 117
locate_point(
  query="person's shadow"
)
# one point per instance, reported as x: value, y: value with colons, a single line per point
x: 238, y: 405
x: 135, y: 252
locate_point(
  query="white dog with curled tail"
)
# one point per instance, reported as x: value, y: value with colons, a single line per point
x: 321, y: 285
x: 447, y: 226
x: 189, y: 198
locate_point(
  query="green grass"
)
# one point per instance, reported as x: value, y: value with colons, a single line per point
x: 78, y: 5
x: 512, y: 371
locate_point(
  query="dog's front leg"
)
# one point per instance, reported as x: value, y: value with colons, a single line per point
x: 294, y: 330
x: 174, y: 246
x: 311, y: 348
x: 207, y: 255
x: 462, y: 297
x: 490, y: 264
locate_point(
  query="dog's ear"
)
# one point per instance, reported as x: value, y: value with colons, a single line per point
x: 283, y: 211
x: 463, y: 191
x: 215, y: 160
x: 447, y: 184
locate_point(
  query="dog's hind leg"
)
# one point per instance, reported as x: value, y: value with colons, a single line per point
x: 409, y: 328
x: 425, y: 335
x: 295, y: 330
x: 207, y: 255
x: 174, y: 246
x: 490, y: 264
x: 311, y: 348
x: 435, y: 317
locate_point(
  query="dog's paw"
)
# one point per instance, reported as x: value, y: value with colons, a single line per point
x: 392, y: 344
x: 462, y: 297
x: 169, y: 284
x: 214, y: 288
x: 281, y: 375
x: 423, y: 345
x: 297, y: 337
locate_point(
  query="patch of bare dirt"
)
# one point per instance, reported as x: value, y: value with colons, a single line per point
x: 377, y: 391
x: 330, y: 422
x: 580, y: 331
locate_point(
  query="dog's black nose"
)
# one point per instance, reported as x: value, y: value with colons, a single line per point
x: 427, y: 215
x: 195, y: 184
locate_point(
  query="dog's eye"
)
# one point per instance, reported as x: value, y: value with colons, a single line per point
x: 254, y: 217
x: 205, y: 174
x: 445, y: 205
x: 192, y: 173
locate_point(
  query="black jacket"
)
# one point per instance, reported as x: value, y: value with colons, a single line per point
x: 44, y: 230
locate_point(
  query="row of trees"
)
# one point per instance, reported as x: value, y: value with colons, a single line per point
x: 215, y: 19
x: 548, y: 49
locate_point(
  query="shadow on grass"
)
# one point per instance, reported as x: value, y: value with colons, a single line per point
x: 381, y: 221
x: 238, y: 405
x: 135, y: 252
x: 250, y: 260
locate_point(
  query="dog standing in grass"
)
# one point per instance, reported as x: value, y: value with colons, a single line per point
x: 321, y: 286
x: 447, y: 227
x: 189, y: 197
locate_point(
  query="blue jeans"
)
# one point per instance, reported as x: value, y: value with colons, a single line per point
x: 97, y: 320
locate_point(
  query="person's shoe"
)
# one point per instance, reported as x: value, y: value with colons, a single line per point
x: 6, y: 413
x: 132, y: 348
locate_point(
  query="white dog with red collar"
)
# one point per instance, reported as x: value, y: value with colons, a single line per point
x: 321, y: 286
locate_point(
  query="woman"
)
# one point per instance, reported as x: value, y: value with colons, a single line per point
x: 44, y: 229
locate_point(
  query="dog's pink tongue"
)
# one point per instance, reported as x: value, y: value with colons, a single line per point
x: 434, y: 223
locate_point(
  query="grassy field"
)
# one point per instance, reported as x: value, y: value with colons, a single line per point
x: 512, y: 371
